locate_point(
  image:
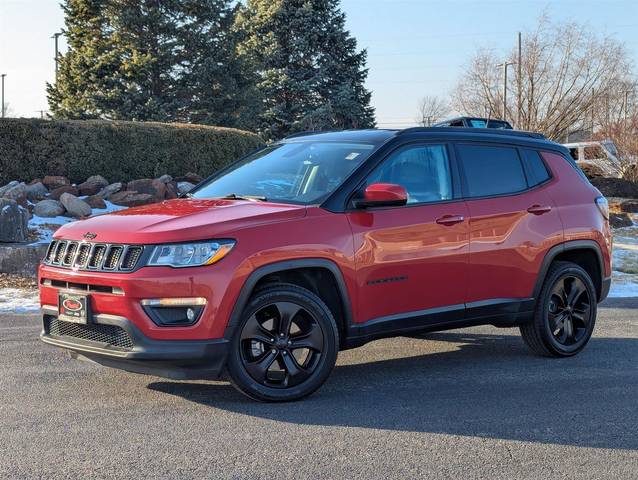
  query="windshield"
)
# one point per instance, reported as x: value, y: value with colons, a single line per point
x: 303, y: 173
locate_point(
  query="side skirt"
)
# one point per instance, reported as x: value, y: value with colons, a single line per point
x: 500, y: 312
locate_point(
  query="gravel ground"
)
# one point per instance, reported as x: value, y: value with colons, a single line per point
x: 460, y: 404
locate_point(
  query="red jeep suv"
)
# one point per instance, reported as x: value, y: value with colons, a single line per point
x: 322, y: 242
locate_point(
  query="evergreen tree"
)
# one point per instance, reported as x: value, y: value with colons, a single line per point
x: 308, y: 71
x: 165, y: 60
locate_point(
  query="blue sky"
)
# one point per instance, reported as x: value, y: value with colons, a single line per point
x: 415, y: 47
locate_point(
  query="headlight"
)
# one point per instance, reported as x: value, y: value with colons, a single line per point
x: 190, y: 254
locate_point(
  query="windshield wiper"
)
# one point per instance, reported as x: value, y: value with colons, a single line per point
x: 234, y: 196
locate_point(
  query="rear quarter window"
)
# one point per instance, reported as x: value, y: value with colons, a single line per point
x: 537, y: 172
x: 491, y: 170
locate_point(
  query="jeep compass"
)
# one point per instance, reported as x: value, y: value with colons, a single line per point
x: 323, y: 242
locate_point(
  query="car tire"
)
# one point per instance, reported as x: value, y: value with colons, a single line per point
x: 565, y: 313
x: 285, y: 345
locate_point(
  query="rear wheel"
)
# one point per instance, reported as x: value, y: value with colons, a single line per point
x: 285, y: 346
x: 565, y: 312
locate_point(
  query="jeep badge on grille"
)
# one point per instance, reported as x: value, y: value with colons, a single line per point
x: 90, y: 235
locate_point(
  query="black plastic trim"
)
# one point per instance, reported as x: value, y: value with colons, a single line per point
x: 553, y: 252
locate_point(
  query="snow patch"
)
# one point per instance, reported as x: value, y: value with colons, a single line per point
x: 16, y: 300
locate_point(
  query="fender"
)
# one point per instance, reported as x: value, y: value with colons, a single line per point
x: 284, y: 265
x: 553, y: 252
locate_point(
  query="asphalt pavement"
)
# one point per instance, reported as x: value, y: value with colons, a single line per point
x: 470, y: 403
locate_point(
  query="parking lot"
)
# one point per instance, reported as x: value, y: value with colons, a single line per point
x: 460, y: 404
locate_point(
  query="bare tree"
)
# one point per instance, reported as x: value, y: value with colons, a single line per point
x: 431, y: 109
x: 567, y: 71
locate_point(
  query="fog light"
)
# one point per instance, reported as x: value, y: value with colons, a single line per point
x: 174, y: 312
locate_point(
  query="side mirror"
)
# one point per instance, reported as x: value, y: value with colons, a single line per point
x: 382, y: 195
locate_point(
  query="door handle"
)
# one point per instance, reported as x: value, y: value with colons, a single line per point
x: 450, y: 219
x: 539, y: 209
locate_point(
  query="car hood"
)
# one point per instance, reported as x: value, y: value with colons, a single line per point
x: 178, y: 220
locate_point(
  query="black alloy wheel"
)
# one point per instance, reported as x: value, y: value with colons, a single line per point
x: 565, y: 313
x: 286, y: 345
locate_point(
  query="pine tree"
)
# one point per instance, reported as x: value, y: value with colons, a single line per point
x: 308, y: 71
x: 165, y: 60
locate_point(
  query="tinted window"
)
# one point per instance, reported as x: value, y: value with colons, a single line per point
x: 536, y: 169
x: 491, y: 170
x: 424, y: 172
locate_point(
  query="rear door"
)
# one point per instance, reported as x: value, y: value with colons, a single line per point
x: 413, y: 259
x: 513, y: 221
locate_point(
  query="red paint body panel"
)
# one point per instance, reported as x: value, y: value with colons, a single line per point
x: 406, y: 261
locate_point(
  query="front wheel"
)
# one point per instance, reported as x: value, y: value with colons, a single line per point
x: 565, y: 312
x: 285, y: 345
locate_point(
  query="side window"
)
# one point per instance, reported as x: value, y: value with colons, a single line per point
x: 424, y: 171
x: 536, y: 169
x: 491, y: 170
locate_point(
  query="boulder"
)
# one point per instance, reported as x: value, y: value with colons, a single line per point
x: 184, y: 187
x: 34, y: 181
x: 629, y: 206
x: 165, y: 179
x: 127, y: 198
x: 54, y: 181
x: 36, y: 191
x: 18, y: 193
x: 95, y: 201
x: 190, y: 177
x: 153, y: 187
x: 8, y: 186
x: 58, y: 192
x: 620, y: 220
x: 14, y: 220
x: 93, y: 185
x: 74, y: 206
x: 48, y: 208
x: 109, y: 190
x: 171, y: 191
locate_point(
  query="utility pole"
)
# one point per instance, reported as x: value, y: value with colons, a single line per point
x: 505, y: 65
x: 3, y: 75
x: 55, y: 37
x: 519, y: 115
x: 626, y: 108
x: 593, y: 111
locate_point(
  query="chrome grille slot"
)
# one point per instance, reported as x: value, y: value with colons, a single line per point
x: 93, y: 256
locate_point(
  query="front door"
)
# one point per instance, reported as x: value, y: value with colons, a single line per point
x: 412, y: 260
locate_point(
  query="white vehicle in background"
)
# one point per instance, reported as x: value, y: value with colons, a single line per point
x: 597, y: 159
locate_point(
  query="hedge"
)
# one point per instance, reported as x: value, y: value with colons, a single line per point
x: 119, y: 151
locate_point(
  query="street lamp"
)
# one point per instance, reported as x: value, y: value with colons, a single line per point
x: 2, y: 75
x: 55, y: 37
x: 505, y: 65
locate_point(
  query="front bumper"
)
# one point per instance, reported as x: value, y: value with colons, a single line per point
x: 116, y: 342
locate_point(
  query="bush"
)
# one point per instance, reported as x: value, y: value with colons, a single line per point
x: 120, y: 151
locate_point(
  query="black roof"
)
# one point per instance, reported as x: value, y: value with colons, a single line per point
x: 373, y: 135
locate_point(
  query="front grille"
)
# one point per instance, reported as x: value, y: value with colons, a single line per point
x: 93, y: 256
x: 111, y: 335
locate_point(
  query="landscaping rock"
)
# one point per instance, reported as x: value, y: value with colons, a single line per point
x: 34, y: 181
x: 18, y: 193
x: 74, y: 206
x: 615, y: 187
x: 7, y: 187
x: 165, y: 179
x: 14, y: 221
x: 184, y: 187
x: 36, y: 191
x: 129, y: 198
x: 58, y: 192
x: 109, y: 190
x: 93, y: 185
x: 190, y: 177
x: 48, y: 208
x: 171, y: 191
x: 95, y: 201
x: 629, y: 206
x: 620, y: 220
x: 153, y: 187
x: 54, y: 181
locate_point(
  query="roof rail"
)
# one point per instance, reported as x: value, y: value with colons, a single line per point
x: 491, y: 131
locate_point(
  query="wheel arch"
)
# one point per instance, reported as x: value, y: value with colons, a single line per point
x: 585, y: 253
x: 298, y: 272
